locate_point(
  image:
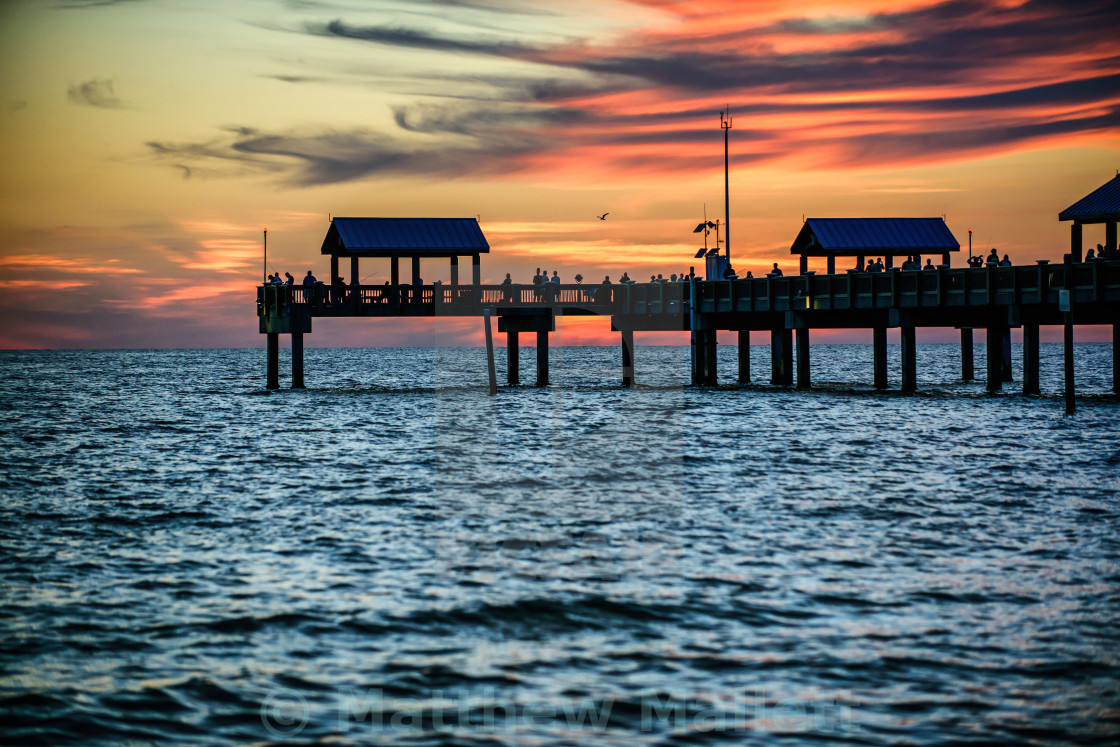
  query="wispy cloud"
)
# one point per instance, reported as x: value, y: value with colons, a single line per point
x: 97, y: 92
x: 877, y: 83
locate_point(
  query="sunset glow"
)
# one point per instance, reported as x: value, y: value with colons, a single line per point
x: 148, y: 143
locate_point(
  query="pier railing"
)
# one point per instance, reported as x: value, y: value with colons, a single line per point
x: 1089, y: 282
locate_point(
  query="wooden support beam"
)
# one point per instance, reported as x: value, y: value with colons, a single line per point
x: 355, y: 278
x: 803, y: 380
x: 1005, y: 355
x: 804, y: 264
x: 968, y: 370
x: 490, y: 353
x: 1110, y: 235
x: 334, y: 269
x: 627, y: 357
x: 513, y: 358
x: 694, y: 343
x: 994, y: 345
x: 776, y: 357
x: 273, y: 357
x: 1075, y: 242
x: 416, y: 273
x: 1071, y: 405
x: 476, y: 271
x: 831, y: 265
x: 1030, y: 357
x: 542, y: 358
x: 909, y: 340
x: 297, y: 360
x: 711, y: 375
x: 1116, y: 357
x: 744, y: 356
x: 879, y: 353
x: 395, y: 272
x: 454, y: 272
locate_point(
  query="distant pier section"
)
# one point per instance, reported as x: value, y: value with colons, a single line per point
x: 990, y: 298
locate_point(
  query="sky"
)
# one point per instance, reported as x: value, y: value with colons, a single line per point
x: 146, y: 144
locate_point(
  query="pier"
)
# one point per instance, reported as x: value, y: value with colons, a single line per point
x: 992, y: 299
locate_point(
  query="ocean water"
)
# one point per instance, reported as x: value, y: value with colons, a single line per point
x: 393, y: 557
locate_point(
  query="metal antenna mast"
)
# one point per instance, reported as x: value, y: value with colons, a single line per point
x: 264, y: 270
x: 726, y: 125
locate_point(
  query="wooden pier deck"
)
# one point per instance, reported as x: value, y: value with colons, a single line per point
x: 991, y: 298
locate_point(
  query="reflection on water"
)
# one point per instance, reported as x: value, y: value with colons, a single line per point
x: 392, y: 556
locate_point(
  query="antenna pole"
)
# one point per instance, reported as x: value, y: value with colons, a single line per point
x: 970, y: 247
x: 264, y: 270
x: 726, y: 125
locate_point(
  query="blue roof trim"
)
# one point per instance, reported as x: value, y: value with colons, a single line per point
x: 1103, y: 203
x: 415, y: 236
x: 867, y: 235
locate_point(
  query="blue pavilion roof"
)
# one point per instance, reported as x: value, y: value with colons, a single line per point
x: 1100, y: 205
x: 858, y: 236
x: 388, y: 237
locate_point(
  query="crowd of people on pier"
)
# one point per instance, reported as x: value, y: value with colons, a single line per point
x: 542, y: 279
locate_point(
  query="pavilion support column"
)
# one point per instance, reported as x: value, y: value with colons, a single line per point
x: 831, y: 265
x: 542, y: 357
x: 273, y: 361
x: 334, y: 269
x: 627, y: 357
x: 354, y: 276
x: 994, y: 339
x: 1030, y: 357
x: 909, y: 339
x: 416, y: 271
x: 454, y: 272
x: 879, y: 352
x: 744, y: 356
x: 395, y: 279
x: 1075, y: 242
x: 513, y: 358
x: 804, y: 264
x: 297, y: 360
x: 968, y: 370
x: 476, y: 271
x: 1110, y: 236
x: 803, y: 381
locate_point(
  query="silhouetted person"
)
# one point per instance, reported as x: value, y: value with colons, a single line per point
x: 729, y: 273
x: 929, y: 265
x: 993, y: 257
x: 776, y: 272
x: 290, y: 280
x: 859, y: 264
x: 1089, y: 255
x: 1005, y: 262
x: 556, y: 277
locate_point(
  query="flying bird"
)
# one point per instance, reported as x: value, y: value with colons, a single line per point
x: 603, y: 216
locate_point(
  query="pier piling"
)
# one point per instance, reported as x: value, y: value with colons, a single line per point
x: 297, y: 360
x: 513, y: 358
x: 968, y: 370
x: 273, y: 361
x: 1030, y: 357
x: 803, y: 379
x: 994, y: 353
x: 1071, y: 405
x: 909, y: 357
x: 879, y: 345
x: 1116, y: 358
x: 490, y: 353
x: 627, y: 357
x: 542, y: 358
x: 744, y: 356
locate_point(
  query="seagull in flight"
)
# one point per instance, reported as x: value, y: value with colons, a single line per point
x: 603, y: 216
